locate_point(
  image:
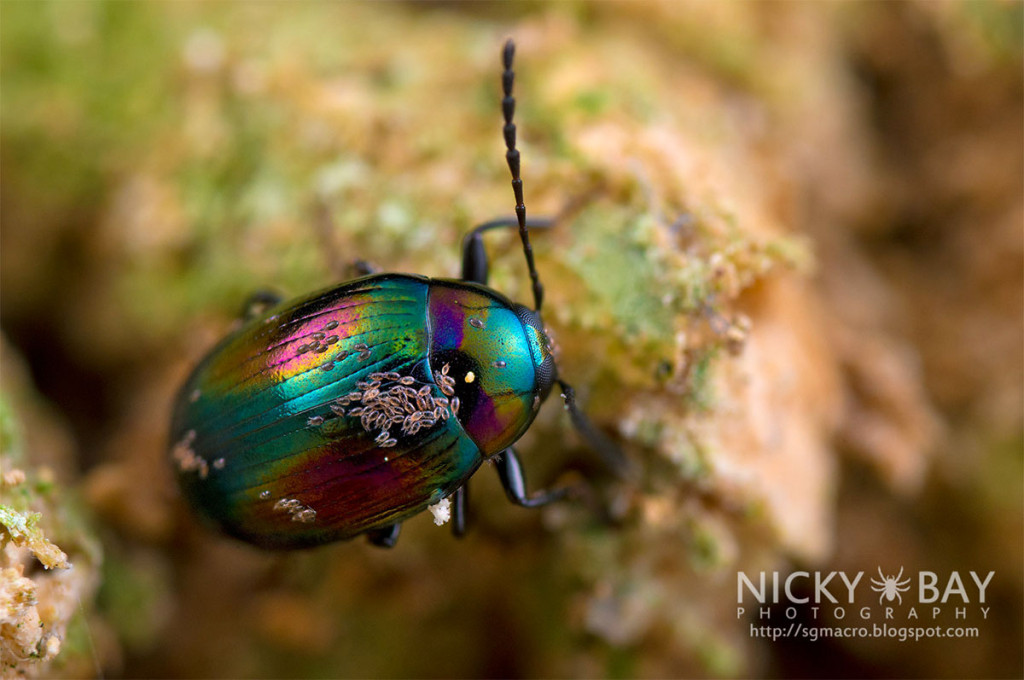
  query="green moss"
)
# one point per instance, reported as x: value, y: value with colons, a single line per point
x: 721, y: 659
x: 130, y: 597
x: 621, y: 663
x: 73, y: 99
x: 613, y: 257
x: 592, y: 102
x: 78, y: 641
x: 690, y: 458
x: 625, y: 282
x: 704, y: 552
x: 998, y: 481
x: 701, y: 390
x: 20, y: 524
x: 999, y: 26
x: 10, y: 433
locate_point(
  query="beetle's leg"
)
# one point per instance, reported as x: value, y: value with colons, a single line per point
x: 513, y: 480
x: 474, y: 257
x: 361, y: 268
x: 609, y: 452
x: 460, y: 503
x: 384, y: 537
x: 258, y: 303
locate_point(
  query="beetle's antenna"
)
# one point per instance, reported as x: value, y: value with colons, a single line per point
x: 508, y: 109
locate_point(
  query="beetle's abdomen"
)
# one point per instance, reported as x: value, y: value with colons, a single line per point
x: 321, y: 419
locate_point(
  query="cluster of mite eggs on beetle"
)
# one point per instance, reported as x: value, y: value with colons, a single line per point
x: 388, y: 400
x: 190, y: 461
x: 296, y: 510
x: 321, y: 342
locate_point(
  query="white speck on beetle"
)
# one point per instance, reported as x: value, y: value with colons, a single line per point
x: 186, y: 457
x: 442, y: 511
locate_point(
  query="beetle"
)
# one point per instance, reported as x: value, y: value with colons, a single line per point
x: 351, y: 409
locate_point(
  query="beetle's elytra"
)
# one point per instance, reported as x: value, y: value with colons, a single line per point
x: 351, y: 409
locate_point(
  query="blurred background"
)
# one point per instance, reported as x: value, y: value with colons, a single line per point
x: 788, y: 282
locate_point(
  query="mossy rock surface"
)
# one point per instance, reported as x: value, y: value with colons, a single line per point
x: 772, y: 282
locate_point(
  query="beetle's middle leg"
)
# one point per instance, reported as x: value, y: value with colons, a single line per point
x: 384, y: 537
x: 513, y: 480
x: 460, y: 504
x: 474, y: 258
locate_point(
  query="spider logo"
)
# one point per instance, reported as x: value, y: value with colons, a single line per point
x: 890, y: 587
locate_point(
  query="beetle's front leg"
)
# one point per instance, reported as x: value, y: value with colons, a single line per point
x: 513, y: 480
x: 474, y: 257
x: 384, y: 537
x: 609, y: 452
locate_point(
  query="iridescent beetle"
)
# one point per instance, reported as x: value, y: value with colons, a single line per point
x: 351, y: 409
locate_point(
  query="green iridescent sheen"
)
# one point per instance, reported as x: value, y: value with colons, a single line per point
x: 353, y: 408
